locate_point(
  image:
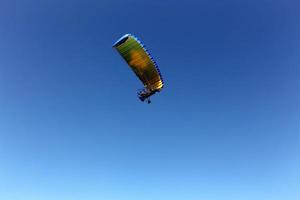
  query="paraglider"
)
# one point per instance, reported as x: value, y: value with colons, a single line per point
x: 143, y: 65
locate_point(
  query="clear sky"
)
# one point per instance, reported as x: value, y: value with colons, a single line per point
x: 225, y: 127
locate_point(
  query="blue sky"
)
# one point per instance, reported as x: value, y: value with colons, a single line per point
x: 226, y: 125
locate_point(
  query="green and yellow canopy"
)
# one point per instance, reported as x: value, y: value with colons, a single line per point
x: 140, y: 61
